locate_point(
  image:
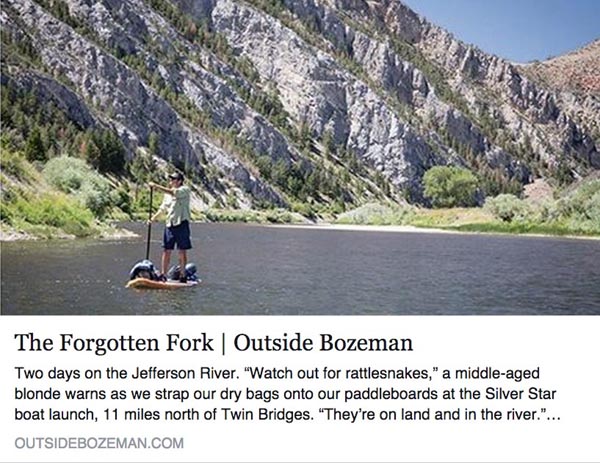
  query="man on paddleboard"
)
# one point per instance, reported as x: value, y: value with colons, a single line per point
x: 176, y: 205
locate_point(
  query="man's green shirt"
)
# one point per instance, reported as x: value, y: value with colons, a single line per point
x: 177, y: 207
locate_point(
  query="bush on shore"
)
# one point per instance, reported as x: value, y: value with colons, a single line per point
x: 377, y: 214
x: 74, y: 176
x: 249, y: 216
x: 508, y: 208
x: 577, y: 212
x: 29, y: 205
x: 48, y: 213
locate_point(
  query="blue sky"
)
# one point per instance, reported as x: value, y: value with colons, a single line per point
x: 518, y: 30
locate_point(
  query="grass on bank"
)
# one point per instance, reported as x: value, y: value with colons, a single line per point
x: 31, y: 205
x: 526, y: 229
x: 46, y: 214
x: 378, y: 214
x: 577, y: 212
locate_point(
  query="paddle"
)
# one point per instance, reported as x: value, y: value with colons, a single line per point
x: 149, y: 227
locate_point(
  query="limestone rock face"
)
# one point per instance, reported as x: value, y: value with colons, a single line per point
x: 130, y: 105
x: 225, y: 85
x: 51, y: 90
x: 491, y: 83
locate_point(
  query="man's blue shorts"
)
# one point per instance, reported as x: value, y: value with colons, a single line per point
x: 178, y: 235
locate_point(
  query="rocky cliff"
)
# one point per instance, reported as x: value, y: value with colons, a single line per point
x: 319, y: 102
x: 575, y: 78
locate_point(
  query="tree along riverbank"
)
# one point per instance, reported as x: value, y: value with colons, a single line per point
x: 66, y: 198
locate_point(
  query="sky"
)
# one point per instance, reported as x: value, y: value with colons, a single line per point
x: 518, y: 30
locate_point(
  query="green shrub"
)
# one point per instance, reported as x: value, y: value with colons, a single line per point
x: 66, y: 173
x: 55, y: 210
x: 248, y: 216
x: 377, y: 214
x: 12, y: 162
x: 6, y: 212
x: 581, y: 211
x: 508, y: 208
x: 449, y: 186
x: 72, y: 175
x: 141, y: 204
x: 580, y: 200
x: 278, y: 216
x: 122, y: 200
x: 593, y: 209
x: 96, y: 196
x: 303, y: 209
x: 232, y: 215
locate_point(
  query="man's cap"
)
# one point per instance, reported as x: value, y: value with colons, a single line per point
x: 176, y: 176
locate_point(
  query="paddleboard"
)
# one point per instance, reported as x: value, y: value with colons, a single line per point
x: 145, y: 283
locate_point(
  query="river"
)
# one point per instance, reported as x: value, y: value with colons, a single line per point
x: 260, y: 270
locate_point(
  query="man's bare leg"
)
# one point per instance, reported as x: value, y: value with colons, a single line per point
x: 165, y: 261
x: 182, y: 261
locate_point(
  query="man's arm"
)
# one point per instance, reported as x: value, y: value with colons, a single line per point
x: 164, y: 189
x: 155, y: 216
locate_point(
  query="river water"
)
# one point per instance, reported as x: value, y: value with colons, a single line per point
x: 259, y: 270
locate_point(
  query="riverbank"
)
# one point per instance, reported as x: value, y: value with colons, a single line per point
x: 575, y: 215
x: 111, y: 233
x: 367, y: 228
x: 414, y: 229
x: 65, y: 199
x: 8, y: 234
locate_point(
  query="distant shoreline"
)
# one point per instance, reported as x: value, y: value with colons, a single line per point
x: 413, y: 229
x: 8, y: 235
x: 11, y: 235
x: 377, y: 228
